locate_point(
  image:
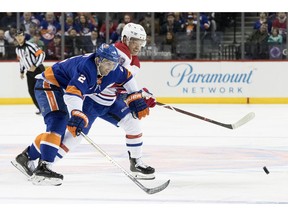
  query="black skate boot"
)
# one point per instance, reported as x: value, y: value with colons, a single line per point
x: 24, y: 164
x: 43, y: 175
x: 140, y: 170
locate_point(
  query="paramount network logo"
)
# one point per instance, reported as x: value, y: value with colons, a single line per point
x: 183, y: 74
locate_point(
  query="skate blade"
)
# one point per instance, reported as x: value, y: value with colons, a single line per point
x: 21, y: 169
x: 141, y: 176
x: 44, y: 181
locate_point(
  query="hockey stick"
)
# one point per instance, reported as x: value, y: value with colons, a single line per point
x: 237, y: 124
x: 147, y: 190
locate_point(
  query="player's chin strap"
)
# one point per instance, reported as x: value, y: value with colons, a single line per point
x: 147, y: 190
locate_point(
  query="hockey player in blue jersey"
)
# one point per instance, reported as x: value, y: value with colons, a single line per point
x: 133, y: 38
x: 60, y: 92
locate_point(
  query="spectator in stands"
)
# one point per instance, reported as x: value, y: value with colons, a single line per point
x: 256, y: 45
x: 49, y: 28
x: 91, y: 43
x: 189, y: 25
x: 180, y: 18
x: 92, y: 18
x: 169, y: 43
x: 146, y: 23
x: 53, y: 51
x: 38, y: 17
x: 204, y: 22
x: 7, y: 21
x: 280, y: 22
x: 4, y: 46
x: 9, y: 35
x: 259, y: 35
x: 112, y: 29
x: 74, y: 43
x: 263, y: 19
x: 31, y: 32
x: 170, y: 25
x: 126, y: 19
x: 275, y: 37
x: 37, y: 40
x: 26, y: 21
x: 69, y: 23
x: 83, y: 27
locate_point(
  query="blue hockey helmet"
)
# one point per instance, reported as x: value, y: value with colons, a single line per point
x: 109, y: 52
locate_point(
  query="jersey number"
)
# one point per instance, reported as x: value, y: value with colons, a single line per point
x: 81, y: 78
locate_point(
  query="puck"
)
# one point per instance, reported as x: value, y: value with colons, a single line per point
x: 266, y: 170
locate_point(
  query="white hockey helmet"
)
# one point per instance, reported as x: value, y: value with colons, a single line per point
x: 133, y: 30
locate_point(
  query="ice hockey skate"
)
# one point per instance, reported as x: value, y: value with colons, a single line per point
x: 140, y: 170
x: 23, y: 164
x: 43, y: 175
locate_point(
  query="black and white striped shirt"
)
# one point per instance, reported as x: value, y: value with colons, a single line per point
x: 29, y: 54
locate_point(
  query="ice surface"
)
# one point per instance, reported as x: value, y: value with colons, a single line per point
x: 211, y: 168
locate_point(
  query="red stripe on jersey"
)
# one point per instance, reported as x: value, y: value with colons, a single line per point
x: 64, y: 147
x: 133, y: 136
x: 106, y: 95
x: 124, y: 48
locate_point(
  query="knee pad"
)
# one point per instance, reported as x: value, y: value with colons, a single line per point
x: 56, y: 122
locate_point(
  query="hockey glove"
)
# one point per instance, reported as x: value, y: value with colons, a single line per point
x: 137, y: 105
x: 150, y: 100
x: 77, y: 122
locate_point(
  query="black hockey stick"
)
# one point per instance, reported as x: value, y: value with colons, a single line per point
x: 147, y: 190
x: 237, y: 124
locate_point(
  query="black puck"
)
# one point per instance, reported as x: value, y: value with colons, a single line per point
x: 266, y: 170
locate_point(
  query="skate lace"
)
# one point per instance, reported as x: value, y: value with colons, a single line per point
x: 140, y: 163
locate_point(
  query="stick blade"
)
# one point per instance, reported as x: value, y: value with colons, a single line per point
x: 244, y: 120
x: 157, y: 189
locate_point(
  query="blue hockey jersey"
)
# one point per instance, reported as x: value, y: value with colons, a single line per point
x: 78, y: 76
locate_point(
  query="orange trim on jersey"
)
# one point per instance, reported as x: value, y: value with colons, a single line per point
x: 133, y: 136
x: 38, y: 140
x: 49, y: 75
x: 64, y: 147
x: 129, y: 74
x: 39, y: 52
x: 51, y: 97
x: 73, y: 90
x: 51, y: 139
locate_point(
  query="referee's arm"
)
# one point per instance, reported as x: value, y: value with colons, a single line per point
x: 39, y: 55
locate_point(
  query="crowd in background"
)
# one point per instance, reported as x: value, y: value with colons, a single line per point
x: 169, y: 35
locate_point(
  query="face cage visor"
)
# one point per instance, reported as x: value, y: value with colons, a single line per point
x: 108, y: 64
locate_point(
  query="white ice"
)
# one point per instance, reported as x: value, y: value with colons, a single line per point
x: 209, y: 166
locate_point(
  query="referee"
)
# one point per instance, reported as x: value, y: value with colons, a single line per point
x: 31, y: 59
